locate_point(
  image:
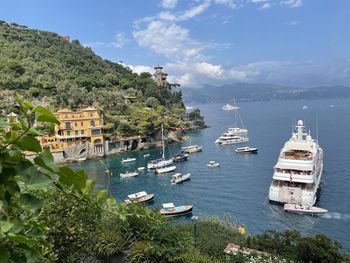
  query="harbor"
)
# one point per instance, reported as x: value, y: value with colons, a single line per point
x: 240, y: 185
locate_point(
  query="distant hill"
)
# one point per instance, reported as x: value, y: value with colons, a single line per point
x: 260, y: 92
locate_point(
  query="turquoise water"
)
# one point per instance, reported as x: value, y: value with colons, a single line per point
x: 240, y: 185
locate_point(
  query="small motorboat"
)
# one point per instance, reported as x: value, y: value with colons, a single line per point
x: 129, y: 174
x: 305, y: 107
x: 179, y: 177
x: 166, y: 169
x: 170, y: 210
x: 146, y: 155
x: 304, y: 209
x: 213, y: 164
x: 139, y: 198
x: 141, y: 169
x: 246, y: 150
x: 192, y: 148
x: 180, y: 157
x: 127, y: 160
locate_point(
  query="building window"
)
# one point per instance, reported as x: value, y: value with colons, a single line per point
x: 68, y: 125
x: 96, y: 132
x: 81, y: 124
x: 82, y: 132
x: 92, y: 123
x: 76, y: 132
x: 68, y: 133
x: 91, y: 114
x: 76, y: 124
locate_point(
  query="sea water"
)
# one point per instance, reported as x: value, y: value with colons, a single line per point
x: 240, y: 185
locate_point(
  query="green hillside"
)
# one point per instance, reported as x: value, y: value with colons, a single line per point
x: 45, y: 67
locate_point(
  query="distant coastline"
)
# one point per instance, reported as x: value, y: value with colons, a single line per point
x: 260, y: 92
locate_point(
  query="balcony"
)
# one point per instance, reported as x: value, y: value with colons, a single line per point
x: 71, y: 136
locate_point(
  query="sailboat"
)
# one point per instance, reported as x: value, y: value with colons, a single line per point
x: 162, y: 162
x: 192, y: 148
x: 234, y: 134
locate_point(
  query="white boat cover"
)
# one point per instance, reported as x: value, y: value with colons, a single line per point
x: 168, y: 205
x: 137, y: 195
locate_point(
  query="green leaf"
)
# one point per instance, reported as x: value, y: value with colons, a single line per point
x: 3, y: 123
x: 33, y: 179
x: 29, y: 202
x: 45, y: 160
x: 89, y: 187
x: 71, y: 178
x: 29, y: 143
x: 5, y: 226
x: 44, y: 115
x: 122, y: 217
x: 34, y: 131
x: 4, y: 256
x: 102, y: 196
x: 111, y: 202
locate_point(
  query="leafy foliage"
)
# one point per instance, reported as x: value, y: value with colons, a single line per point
x: 25, y: 237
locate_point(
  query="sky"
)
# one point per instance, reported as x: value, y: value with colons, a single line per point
x: 296, y: 43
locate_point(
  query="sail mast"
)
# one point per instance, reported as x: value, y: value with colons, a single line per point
x: 163, y: 156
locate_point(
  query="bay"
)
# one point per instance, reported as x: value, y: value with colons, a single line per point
x: 240, y: 185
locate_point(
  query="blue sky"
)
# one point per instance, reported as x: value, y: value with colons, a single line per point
x: 199, y: 42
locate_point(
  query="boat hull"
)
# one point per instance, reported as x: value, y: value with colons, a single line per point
x: 145, y: 199
x: 306, y: 210
x: 177, y: 211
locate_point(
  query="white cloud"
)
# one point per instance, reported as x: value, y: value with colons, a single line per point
x: 292, y: 3
x: 293, y: 23
x: 140, y: 68
x: 168, y: 39
x: 119, y: 41
x: 168, y: 4
x: 194, y: 11
x: 230, y: 3
x: 258, y: 1
x: 265, y: 6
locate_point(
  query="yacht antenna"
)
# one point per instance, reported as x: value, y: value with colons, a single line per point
x: 317, y: 128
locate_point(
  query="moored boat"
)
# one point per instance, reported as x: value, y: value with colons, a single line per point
x: 192, y: 148
x: 301, y: 209
x: 141, y: 169
x: 127, y: 160
x: 161, y: 162
x: 246, y: 150
x: 129, y: 174
x: 170, y: 210
x: 179, y: 177
x: 166, y: 169
x: 213, y: 164
x: 297, y: 173
x: 139, y: 198
x: 180, y: 157
x: 230, y: 107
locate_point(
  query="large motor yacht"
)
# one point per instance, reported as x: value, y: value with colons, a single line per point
x: 234, y: 134
x: 298, y: 171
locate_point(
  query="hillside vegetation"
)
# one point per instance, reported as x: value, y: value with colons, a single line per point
x: 53, y: 71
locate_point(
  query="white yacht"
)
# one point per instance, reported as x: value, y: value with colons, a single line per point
x: 298, y: 171
x: 162, y: 162
x: 230, y: 107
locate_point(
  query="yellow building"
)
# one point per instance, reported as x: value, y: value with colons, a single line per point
x: 77, y: 128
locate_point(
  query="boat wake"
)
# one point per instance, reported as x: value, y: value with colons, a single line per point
x: 336, y: 215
